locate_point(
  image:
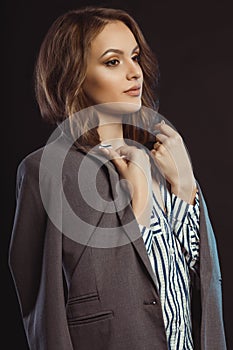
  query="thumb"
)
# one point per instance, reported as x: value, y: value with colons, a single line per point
x: 118, y: 160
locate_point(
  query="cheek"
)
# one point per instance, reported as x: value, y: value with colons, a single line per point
x: 102, y: 80
x: 99, y: 83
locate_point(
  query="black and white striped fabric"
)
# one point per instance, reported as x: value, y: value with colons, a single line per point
x: 172, y: 244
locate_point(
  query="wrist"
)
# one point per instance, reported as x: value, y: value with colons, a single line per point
x: 186, y: 192
x: 141, y: 198
x: 142, y: 209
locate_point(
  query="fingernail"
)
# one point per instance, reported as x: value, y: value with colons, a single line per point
x: 104, y: 146
x: 162, y: 121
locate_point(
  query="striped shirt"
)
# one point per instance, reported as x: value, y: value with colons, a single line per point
x: 172, y: 244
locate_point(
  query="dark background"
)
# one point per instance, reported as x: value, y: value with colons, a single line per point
x: 194, y: 46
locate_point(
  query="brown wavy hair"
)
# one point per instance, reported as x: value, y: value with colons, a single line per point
x: 61, y: 69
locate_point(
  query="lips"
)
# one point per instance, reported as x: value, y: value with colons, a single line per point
x: 134, y: 90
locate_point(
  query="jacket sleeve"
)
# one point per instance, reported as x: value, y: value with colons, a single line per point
x: 35, y: 259
x: 212, y: 335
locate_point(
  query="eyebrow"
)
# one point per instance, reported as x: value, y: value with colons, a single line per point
x: 117, y: 51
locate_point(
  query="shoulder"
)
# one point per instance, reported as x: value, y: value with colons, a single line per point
x: 30, y: 163
x: 56, y: 158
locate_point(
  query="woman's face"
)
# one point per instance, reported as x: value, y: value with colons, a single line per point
x: 113, y: 70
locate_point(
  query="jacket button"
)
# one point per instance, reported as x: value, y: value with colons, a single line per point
x: 151, y: 302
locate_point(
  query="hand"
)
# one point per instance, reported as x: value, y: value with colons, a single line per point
x: 133, y: 165
x: 171, y: 158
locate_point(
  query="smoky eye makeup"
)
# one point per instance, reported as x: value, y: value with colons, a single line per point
x: 136, y: 56
x: 115, y: 61
x: 112, y: 62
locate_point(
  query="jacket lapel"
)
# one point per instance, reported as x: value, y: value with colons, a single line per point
x: 129, y: 222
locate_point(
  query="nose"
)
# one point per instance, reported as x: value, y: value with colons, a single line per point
x: 134, y: 71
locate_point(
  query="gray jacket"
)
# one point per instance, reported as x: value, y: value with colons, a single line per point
x: 77, y: 294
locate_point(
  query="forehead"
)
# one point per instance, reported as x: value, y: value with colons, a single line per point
x: 114, y: 35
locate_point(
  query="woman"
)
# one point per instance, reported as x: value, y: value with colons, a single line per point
x: 100, y: 263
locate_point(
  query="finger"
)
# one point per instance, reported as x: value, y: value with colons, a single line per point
x: 159, y: 150
x: 157, y: 145
x: 157, y: 157
x: 110, y: 152
x: 115, y: 157
x: 161, y: 138
x: 126, y: 151
x: 165, y: 129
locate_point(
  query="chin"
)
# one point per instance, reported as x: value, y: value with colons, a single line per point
x: 119, y: 108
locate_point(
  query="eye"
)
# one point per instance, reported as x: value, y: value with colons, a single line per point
x: 112, y: 63
x: 136, y: 57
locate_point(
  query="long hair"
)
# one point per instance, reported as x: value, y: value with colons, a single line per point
x: 62, y: 63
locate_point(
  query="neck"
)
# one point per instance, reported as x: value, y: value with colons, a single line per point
x: 110, y: 130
